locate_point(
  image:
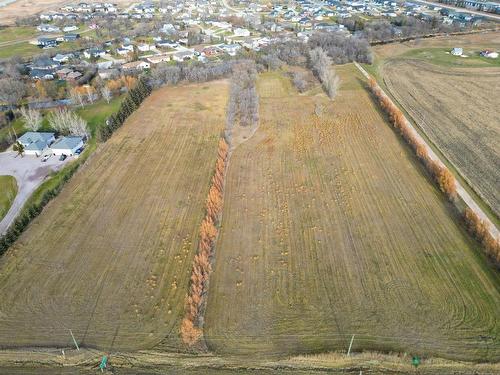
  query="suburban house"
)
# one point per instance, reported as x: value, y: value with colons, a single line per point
x: 42, y: 74
x: 67, y: 145
x: 94, y: 52
x: 63, y: 73
x: 136, y: 65
x: 48, y: 28
x: 44, y: 41
x: 159, y: 59
x: 145, y: 47
x: 241, y: 32
x: 489, y: 54
x: 60, y: 58
x: 183, y: 56
x: 35, y: 143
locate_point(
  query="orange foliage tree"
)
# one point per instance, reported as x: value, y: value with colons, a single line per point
x: 441, y: 174
x: 191, y: 330
x: 481, y: 231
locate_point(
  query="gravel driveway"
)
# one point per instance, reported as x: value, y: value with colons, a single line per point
x: 29, y: 172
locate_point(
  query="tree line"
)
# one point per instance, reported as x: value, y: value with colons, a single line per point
x: 192, y: 323
x: 320, y: 64
x: 446, y: 181
x: 132, y: 101
x: 243, y: 104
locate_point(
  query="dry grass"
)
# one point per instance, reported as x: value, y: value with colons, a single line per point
x: 25, y: 8
x: 458, y: 110
x: 331, y: 227
x: 111, y: 256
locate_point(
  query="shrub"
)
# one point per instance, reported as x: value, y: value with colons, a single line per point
x: 191, y: 325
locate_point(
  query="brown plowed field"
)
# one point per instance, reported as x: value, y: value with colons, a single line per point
x: 458, y: 110
x: 110, y: 257
x: 332, y: 228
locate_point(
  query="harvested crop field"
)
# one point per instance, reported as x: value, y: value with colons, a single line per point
x: 110, y: 257
x: 332, y: 228
x: 458, y: 110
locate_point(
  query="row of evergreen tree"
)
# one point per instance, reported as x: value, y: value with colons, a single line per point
x: 34, y: 209
x: 131, y: 102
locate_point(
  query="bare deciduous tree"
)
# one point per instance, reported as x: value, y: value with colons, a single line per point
x: 11, y: 90
x: 320, y: 65
x: 77, y: 97
x: 32, y: 118
x: 243, y: 105
x: 106, y: 94
x: 68, y: 122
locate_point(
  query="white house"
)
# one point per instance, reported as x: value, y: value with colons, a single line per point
x: 136, y: 65
x: 457, y: 51
x: 241, y: 32
x: 35, y: 143
x: 70, y: 28
x: 183, y: 56
x: 159, y: 59
x: 145, y: 47
x: 67, y: 145
x: 48, y: 28
x: 489, y: 54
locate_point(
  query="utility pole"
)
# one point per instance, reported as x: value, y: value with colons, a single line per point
x: 77, y: 348
x: 350, y: 345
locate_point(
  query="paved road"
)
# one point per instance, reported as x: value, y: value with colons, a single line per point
x: 463, y: 10
x: 29, y: 172
x: 461, y: 192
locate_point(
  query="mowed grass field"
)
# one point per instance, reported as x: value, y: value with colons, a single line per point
x: 331, y: 228
x: 110, y: 257
x: 458, y: 110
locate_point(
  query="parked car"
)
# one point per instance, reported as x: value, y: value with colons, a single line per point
x: 62, y: 157
x: 45, y: 158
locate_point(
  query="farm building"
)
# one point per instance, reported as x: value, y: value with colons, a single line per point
x: 35, y: 143
x: 67, y: 145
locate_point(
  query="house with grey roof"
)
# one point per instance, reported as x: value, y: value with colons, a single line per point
x: 35, y: 143
x: 67, y: 145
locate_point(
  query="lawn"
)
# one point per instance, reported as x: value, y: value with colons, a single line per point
x: 443, y: 57
x: 21, y: 49
x: 9, y: 34
x: 331, y: 228
x: 97, y: 113
x: 8, y: 191
x: 111, y: 255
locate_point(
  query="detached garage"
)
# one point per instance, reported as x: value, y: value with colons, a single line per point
x: 67, y: 145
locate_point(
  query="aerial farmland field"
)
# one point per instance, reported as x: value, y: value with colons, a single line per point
x: 332, y: 228
x: 457, y: 109
x: 453, y: 101
x: 110, y: 257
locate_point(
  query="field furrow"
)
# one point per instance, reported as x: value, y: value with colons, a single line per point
x: 331, y: 227
x: 110, y: 257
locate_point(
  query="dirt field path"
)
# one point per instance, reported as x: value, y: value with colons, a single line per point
x: 332, y: 228
x: 457, y: 110
x: 464, y: 195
